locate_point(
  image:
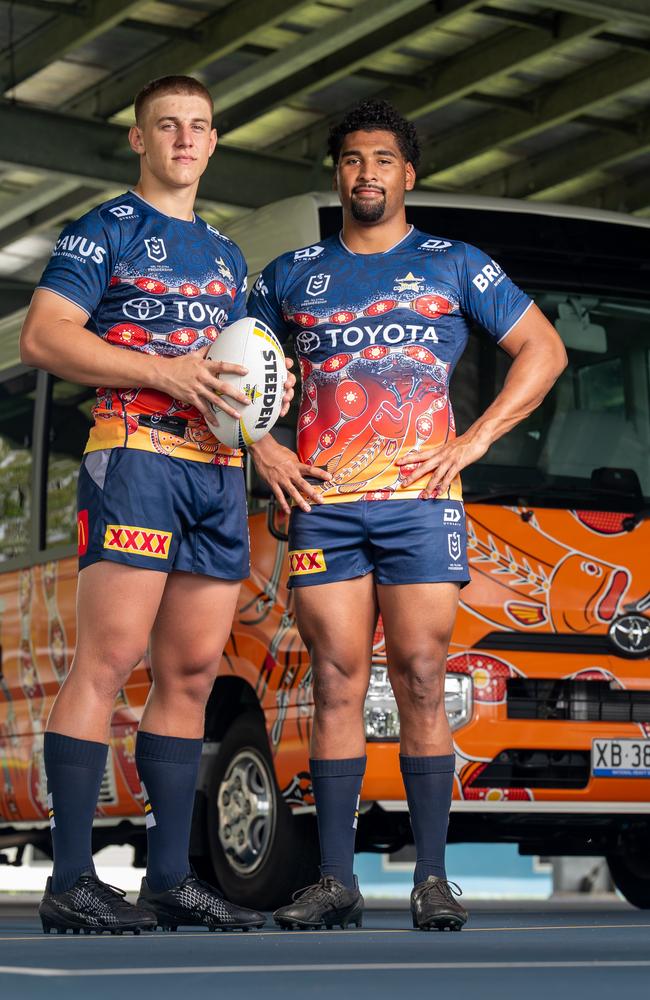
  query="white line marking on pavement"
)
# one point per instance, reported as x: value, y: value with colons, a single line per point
x: 310, y: 935
x: 181, y: 970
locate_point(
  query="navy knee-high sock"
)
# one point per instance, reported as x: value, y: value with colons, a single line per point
x: 168, y: 767
x: 337, y: 786
x: 74, y: 770
x: 429, y: 783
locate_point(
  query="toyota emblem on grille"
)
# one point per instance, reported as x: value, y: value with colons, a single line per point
x: 631, y: 634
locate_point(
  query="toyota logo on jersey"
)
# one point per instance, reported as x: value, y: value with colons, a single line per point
x: 144, y: 309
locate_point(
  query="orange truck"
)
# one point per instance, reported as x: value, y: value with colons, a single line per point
x: 548, y: 686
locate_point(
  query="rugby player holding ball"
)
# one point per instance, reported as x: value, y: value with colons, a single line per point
x: 379, y: 316
x: 135, y: 293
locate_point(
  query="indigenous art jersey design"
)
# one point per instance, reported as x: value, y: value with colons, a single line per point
x: 160, y: 286
x: 378, y: 337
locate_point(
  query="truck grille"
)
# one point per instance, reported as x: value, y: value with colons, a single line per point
x: 577, y: 701
x: 535, y: 769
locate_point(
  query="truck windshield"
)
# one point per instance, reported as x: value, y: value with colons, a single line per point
x: 597, y: 417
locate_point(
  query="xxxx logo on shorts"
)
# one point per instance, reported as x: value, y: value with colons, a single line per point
x: 143, y: 541
x: 306, y: 561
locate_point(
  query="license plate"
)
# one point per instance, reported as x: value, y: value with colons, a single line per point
x: 620, y: 758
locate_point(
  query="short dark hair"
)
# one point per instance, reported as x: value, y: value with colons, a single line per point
x: 188, y: 85
x: 371, y: 116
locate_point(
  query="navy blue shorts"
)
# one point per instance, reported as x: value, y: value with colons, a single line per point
x: 162, y: 513
x: 400, y: 541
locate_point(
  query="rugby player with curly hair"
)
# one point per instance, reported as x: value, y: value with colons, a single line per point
x: 379, y: 316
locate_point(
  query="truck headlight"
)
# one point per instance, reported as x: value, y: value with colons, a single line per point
x: 380, y: 713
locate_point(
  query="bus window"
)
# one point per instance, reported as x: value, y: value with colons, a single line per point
x: 597, y: 414
x: 69, y: 423
x: 17, y: 397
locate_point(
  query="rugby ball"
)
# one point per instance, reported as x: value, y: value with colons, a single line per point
x: 250, y: 343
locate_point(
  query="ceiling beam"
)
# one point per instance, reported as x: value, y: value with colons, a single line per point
x: 536, y: 177
x: 627, y: 194
x: 632, y: 11
x: 554, y: 104
x: 216, y: 36
x: 342, y: 61
x: 57, y: 36
x: 480, y: 64
x: 43, y: 206
x: 74, y: 147
x: 299, y: 61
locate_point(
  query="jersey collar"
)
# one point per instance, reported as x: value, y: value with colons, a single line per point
x: 383, y: 253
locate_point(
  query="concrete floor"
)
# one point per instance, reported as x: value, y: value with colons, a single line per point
x: 589, y: 947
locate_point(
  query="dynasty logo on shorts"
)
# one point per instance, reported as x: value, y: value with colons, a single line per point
x: 141, y: 541
x: 306, y: 561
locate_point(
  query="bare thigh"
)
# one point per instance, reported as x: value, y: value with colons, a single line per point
x: 116, y: 608
x: 187, y: 641
x: 336, y: 622
x: 418, y: 622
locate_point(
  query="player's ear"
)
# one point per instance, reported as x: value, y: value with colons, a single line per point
x: 213, y: 141
x: 409, y: 177
x: 136, y: 140
x: 335, y: 183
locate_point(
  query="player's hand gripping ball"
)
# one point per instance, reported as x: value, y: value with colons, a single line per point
x: 249, y: 343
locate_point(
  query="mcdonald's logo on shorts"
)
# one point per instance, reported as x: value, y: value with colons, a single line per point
x: 82, y: 532
x: 140, y: 541
x: 306, y: 561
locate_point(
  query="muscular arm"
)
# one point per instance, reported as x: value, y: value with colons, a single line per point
x: 539, y: 358
x: 54, y: 337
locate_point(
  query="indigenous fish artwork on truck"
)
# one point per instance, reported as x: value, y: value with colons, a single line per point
x: 543, y: 581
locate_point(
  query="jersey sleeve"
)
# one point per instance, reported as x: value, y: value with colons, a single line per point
x: 265, y: 301
x: 489, y: 296
x: 238, y: 310
x: 82, y: 261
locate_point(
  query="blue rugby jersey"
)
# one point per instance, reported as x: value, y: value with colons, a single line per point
x: 377, y: 337
x: 154, y: 284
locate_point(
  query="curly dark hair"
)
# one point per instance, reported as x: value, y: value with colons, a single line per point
x: 376, y: 115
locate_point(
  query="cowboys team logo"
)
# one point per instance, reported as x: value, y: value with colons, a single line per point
x: 318, y: 284
x: 156, y: 249
x: 306, y: 561
x: 409, y: 283
x: 453, y: 543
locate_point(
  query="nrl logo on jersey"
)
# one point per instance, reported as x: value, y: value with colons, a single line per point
x: 156, y: 249
x: 318, y: 284
x: 409, y: 283
x: 308, y: 253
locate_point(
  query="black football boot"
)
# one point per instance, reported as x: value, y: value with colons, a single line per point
x: 434, y: 908
x: 194, y: 903
x: 324, y: 904
x: 91, y: 905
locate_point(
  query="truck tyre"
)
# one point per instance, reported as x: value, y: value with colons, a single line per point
x: 630, y: 873
x: 259, y: 851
